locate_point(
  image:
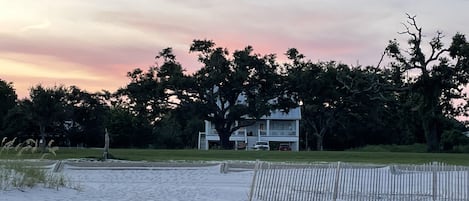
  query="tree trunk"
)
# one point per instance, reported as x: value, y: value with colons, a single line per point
x: 42, y: 141
x: 319, y: 141
x: 430, y: 120
x: 431, y: 133
x: 225, y: 140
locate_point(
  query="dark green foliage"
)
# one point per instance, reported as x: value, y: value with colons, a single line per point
x: 70, y: 116
x: 127, y: 130
x: 179, y: 129
x: 19, y: 123
x: 7, y: 100
x: 144, y: 94
x: 246, y: 86
x: 48, y: 110
x: 120, y: 125
x: 86, y: 114
x: 341, y: 105
x: 412, y: 148
x: 452, y: 137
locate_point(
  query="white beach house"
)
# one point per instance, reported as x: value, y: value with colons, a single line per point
x: 277, y: 128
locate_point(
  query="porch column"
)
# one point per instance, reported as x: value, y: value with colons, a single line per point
x: 237, y: 131
x: 268, y: 128
x: 208, y: 128
x: 297, y: 127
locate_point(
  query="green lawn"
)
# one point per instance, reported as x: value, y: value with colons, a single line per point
x: 304, y: 156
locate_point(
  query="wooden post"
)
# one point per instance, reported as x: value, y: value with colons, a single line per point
x: 106, y: 145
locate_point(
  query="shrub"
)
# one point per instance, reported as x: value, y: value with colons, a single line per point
x: 461, y: 149
x: 414, y: 148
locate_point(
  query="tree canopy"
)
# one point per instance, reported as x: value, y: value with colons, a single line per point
x: 7, y: 99
x: 418, y: 97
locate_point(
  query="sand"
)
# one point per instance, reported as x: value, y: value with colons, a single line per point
x: 137, y: 182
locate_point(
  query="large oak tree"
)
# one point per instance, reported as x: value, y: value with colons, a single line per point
x: 234, y: 90
x: 434, y: 75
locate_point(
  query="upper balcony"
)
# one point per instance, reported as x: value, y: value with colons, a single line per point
x: 263, y: 133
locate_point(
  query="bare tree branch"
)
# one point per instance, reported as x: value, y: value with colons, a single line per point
x: 436, y: 45
x: 381, y: 59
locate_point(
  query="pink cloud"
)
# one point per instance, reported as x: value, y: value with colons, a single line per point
x: 111, y: 39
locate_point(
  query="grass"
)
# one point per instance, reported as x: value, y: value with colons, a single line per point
x: 15, y: 174
x: 380, y: 154
x: 303, y: 156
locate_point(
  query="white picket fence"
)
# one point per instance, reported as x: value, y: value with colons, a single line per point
x: 347, y: 181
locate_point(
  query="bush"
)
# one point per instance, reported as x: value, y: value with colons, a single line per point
x: 453, y: 140
x: 461, y: 149
x: 414, y: 148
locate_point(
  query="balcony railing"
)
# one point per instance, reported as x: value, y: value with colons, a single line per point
x: 277, y: 133
x: 243, y: 132
x: 282, y: 133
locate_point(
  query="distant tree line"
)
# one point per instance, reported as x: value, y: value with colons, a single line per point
x: 413, y: 99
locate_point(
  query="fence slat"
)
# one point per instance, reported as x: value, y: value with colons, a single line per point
x: 344, y: 181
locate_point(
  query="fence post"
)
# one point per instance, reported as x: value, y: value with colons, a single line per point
x: 434, y: 181
x: 224, y: 168
x: 336, y: 184
x: 253, y: 184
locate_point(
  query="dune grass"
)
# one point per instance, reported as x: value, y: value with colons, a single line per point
x: 19, y: 174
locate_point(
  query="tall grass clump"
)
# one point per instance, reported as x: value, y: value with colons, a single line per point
x: 16, y: 173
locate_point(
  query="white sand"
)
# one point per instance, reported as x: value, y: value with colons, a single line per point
x: 143, y: 184
x: 142, y: 181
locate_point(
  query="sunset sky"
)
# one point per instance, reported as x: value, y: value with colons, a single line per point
x: 93, y: 43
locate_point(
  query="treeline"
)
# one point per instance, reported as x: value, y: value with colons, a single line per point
x: 413, y: 99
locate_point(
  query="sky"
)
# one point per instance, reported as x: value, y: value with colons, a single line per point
x: 93, y: 44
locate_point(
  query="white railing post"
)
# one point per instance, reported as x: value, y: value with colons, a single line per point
x: 246, y: 143
x: 258, y: 135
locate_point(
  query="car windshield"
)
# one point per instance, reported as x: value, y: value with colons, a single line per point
x: 261, y: 143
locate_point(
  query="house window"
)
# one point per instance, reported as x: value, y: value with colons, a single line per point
x: 261, y: 127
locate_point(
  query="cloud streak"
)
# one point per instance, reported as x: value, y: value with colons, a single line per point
x: 43, y: 25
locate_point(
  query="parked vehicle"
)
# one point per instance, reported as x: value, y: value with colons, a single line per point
x: 261, y: 145
x: 284, y: 147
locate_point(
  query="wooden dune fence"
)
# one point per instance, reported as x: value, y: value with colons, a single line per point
x: 347, y: 181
